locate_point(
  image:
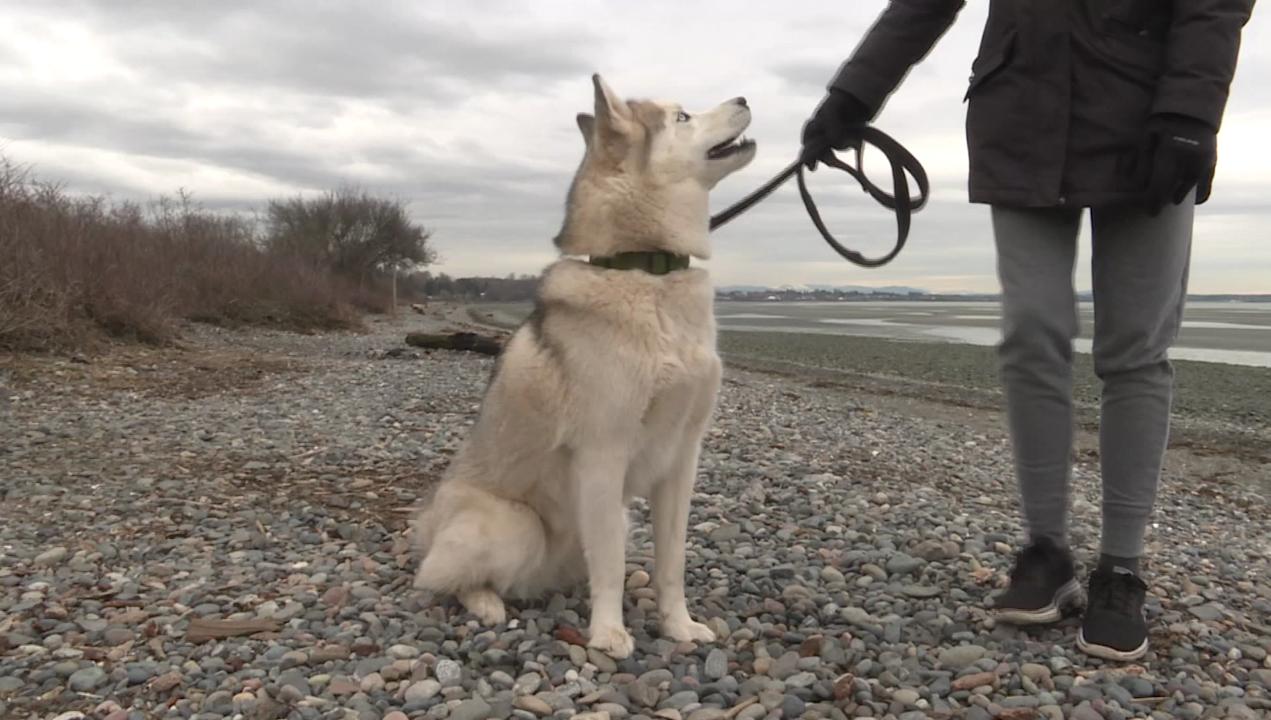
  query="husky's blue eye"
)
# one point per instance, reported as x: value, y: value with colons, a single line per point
x: 682, y: 117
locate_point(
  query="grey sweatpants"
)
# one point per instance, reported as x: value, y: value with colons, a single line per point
x: 1139, y: 274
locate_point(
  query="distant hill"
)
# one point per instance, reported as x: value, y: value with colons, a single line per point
x: 903, y: 292
x: 841, y: 289
x: 520, y: 288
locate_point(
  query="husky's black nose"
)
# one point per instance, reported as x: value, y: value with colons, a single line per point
x: 740, y: 101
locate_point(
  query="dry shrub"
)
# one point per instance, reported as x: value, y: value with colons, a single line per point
x: 74, y: 268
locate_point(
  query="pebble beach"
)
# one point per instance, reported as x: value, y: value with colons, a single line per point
x: 218, y: 530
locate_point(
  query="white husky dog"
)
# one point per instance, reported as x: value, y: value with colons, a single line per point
x: 604, y: 393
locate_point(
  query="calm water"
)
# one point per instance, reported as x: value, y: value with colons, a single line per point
x: 1234, y: 333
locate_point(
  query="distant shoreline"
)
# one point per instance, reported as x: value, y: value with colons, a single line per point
x: 791, y: 296
x: 1218, y: 407
x: 1226, y: 333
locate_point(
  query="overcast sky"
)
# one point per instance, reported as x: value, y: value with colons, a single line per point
x: 466, y: 111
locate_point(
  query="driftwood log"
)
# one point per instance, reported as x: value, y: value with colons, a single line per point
x: 201, y: 630
x: 462, y: 341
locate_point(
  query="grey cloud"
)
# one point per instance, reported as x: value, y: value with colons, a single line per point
x: 363, y: 51
x: 411, y: 173
x: 805, y: 75
x: 73, y: 123
x: 304, y: 59
x: 279, y: 65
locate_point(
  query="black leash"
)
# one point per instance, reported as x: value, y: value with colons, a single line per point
x: 902, y: 162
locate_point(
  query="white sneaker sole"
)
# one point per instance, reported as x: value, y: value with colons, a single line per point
x: 1107, y: 653
x: 1064, y: 596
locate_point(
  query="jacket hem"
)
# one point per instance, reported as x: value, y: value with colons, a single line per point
x: 1028, y: 199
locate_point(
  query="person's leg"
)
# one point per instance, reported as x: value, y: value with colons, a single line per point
x: 1036, y: 251
x: 1140, y: 269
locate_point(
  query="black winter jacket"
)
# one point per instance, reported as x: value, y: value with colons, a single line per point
x: 1061, y: 90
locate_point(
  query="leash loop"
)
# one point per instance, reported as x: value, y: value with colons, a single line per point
x: 903, y: 164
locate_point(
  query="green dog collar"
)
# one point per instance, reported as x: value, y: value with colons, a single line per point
x: 655, y: 263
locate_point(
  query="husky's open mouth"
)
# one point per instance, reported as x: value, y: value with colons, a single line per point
x: 735, y: 144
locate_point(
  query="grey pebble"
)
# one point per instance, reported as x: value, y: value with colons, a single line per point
x: 642, y: 694
x: 801, y: 680
x: 1208, y: 613
x: 220, y: 702
x: 961, y: 656
x: 725, y: 533
x: 1086, y: 692
x: 792, y: 706
x: 65, y: 668
x: 52, y: 556
x: 902, y: 564
x: 139, y: 672
x: 403, y: 652
x: 1137, y: 686
x: 906, y: 697
x: 296, y: 682
x: 1120, y: 694
x: 680, y: 699
x: 922, y: 591
x: 422, y: 690
x: 1036, y: 673
x: 448, y: 672
x: 603, y: 662
x: 87, y: 679
x: 716, y: 665
x: 117, y: 636
x: 785, y: 666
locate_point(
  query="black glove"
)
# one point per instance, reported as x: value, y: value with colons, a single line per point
x: 837, y: 124
x: 1182, y: 154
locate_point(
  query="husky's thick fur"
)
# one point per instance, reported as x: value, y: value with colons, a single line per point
x: 604, y: 394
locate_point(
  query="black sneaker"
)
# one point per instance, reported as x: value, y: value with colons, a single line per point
x: 1043, y: 583
x: 1115, y: 627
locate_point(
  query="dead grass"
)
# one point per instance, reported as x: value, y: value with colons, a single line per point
x: 75, y: 270
x: 161, y: 373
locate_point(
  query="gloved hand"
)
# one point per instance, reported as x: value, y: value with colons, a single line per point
x: 837, y: 124
x: 1182, y: 153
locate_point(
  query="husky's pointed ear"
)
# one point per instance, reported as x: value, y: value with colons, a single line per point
x: 587, y: 126
x: 611, y: 111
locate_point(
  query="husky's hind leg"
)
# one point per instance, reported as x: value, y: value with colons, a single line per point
x: 485, y: 547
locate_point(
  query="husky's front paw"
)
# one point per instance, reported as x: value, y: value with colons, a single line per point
x: 486, y: 605
x: 687, y: 630
x: 613, y: 640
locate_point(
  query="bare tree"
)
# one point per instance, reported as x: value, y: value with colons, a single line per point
x: 349, y: 231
